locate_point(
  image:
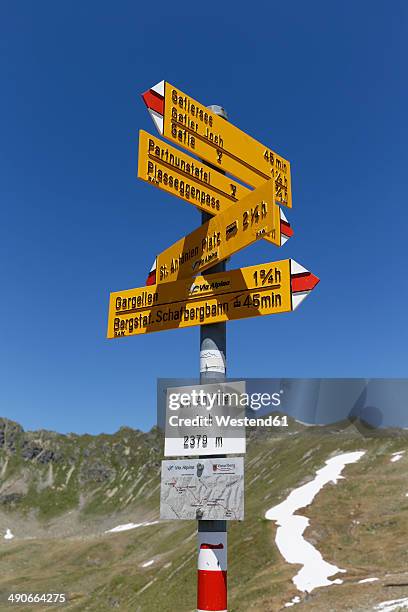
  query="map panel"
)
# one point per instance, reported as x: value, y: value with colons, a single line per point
x: 208, y: 489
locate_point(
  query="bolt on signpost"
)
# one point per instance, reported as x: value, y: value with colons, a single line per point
x: 188, y: 285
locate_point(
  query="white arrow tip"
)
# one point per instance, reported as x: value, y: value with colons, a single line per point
x: 296, y: 268
x: 297, y: 298
x: 282, y: 215
x: 159, y: 88
x: 157, y: 120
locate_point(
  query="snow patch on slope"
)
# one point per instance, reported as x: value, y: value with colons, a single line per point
x: 8, y: 535
x: 128, y: 526
x: 392, y: 604
x: 396, y: 456
x: 292, y: 602
x: 289, y: 535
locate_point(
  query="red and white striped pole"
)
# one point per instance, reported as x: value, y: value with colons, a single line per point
x: 212, y: 571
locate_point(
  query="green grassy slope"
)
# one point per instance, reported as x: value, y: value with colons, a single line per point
x: 58, y: 495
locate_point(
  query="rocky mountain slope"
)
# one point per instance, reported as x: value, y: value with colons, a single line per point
x: 60, y: 495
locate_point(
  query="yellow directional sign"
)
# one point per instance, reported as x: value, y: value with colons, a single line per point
x: 183, y: 176
x: 253, y: 217
x: 263, y: 289
x: 191, y: 125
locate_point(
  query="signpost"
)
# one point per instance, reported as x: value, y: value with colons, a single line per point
x: 252, y: 218
x: 264, y: 289
x: 179, y: 293
x: 191, y: 125
x: 213, y: 367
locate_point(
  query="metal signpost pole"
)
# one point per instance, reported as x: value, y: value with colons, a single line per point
x: 212, y: 535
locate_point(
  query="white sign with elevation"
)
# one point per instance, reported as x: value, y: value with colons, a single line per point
x: 201, y: 420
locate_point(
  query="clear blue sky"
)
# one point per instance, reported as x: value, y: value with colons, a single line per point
x: 322, y: 83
